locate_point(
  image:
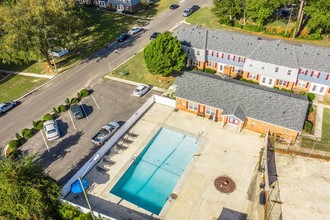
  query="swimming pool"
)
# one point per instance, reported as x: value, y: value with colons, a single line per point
x: 150, y: 180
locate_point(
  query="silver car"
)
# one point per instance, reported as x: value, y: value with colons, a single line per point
x: 6, y: 106
x: 51, y: 130
x: 187, y: 12
x: 141, y: 90
x: 135, y: 30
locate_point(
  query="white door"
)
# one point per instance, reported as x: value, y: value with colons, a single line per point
x: 233, y: 121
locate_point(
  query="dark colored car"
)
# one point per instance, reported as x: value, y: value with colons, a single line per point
x: 174, y: 6
x: 154, y: 36
x: 122, y: 37
x: 195, y: 8
x: 76, y: 111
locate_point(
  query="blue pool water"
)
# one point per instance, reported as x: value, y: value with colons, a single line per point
x: 152, y: 177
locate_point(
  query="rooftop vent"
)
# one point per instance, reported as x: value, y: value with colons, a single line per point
x: 318, y: 53
x: 285, y: 48
x: 284, y: 112
x: 259, y: 38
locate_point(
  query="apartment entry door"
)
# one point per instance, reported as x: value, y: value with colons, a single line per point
x: 233, y: 121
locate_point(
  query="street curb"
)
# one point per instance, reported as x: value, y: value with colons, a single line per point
x: 132, y: 82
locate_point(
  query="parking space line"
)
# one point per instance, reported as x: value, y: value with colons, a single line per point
x: 74, y: 126
x: 43, y: 137
x: 95, y: 102
x: 84, y: 110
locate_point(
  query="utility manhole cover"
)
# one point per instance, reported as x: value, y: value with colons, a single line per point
x: 224, y: 184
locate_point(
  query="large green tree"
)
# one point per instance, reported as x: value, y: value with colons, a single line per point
x: 26, y: 192
x: 319, y: 12
x: 164, y: 55
x: 261, y: 10
x: 29, y: 29
x: 228, y: 10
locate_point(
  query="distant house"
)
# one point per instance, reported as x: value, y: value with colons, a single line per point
x: 271, y: 63
x: 244, y: 105
x: 118, y: 5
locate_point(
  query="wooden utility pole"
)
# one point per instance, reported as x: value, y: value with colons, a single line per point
x: 300, y: 18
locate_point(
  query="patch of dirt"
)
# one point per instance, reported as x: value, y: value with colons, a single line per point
x: 312, y: 117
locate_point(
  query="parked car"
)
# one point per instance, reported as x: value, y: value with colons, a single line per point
x: 122, y: 37
x: 141, y: 90
x: 154, y: 36
x: 174, y: 6
x: 195, y: 8
x: 105, y: 133
x: 76, y: 111
x: 135, y: 30
x: 51, y: 130
x: 6, y: 106
x: 59, y: 53
x: 187, y: 12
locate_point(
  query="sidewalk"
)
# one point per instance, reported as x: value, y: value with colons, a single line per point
x: 28, y: 74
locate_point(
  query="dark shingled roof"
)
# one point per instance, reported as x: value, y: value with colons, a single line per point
x: 229, y: 214
x: 261, y: 103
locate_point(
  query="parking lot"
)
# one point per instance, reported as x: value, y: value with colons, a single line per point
x: 110, y: 101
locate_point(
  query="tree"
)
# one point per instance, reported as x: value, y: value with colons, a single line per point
x: 31, y: 28
x: 261, y: 10
x: 228, y: 10
x: 319, y: 12
x: 164, y: 55
x: 26, y: 192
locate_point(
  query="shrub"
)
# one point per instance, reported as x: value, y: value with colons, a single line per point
x: 27, y: 133
x: 84, y: 93
x: 208, y: 70
x: 38, y: 124
x: 242, y: 79
x: 14, y: 153
x: 308, y: 126
x: 302, y: 93
x: 74, y: 100
x: 18, y: 136
x: 253, y: 28
x: 311, y: 96
x: 286, y: 90
x: 310, y: 109
x: 67, y: 101
x: 62, y: 108
x: 55, y: 110
x: 275, y: 87
x: 47, y: 117
x: 14, y: 144
x: 315, y: 36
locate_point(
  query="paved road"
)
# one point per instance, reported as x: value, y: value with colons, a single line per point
x: 34, y: 106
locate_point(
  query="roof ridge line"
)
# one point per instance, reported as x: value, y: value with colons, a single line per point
x: 255, y: 49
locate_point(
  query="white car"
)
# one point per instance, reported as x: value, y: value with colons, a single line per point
x: 59, y: 53
x: 135, y: 30
x: 51, y: 130
x: 6, y: 106
x: 141, y: 90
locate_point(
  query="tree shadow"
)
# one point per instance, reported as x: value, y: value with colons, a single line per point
x: 62, y: 127
x: 59, y: 150
x: 88, y: 110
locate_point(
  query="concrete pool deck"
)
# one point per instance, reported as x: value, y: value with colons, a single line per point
x: 222, y: 151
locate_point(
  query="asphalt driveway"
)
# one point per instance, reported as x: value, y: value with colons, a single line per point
x: 110, y: 101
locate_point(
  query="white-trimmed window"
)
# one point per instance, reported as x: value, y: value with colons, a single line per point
x: 251, y: 64
x: 289, y: 72
x: 282, y: 83
x: 253, y: 76
x: 193, y: 106
x: 210, y: 111
x: 198, y: 52
x: 314, y: 88
x: 212, y: 64
x: 301, y: 83
x: 195, y: 62
x: 102, y: 3
x: 263, y: 66
x: 263, y: 79
x: 276, y: 69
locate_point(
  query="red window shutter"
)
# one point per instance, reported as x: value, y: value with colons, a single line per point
x: 199, y: 63
x: 257, y: 77
x: 276, y: 82
x: 296, y: 82
x: 318, y: 75
x: 327, y: 77
x: 204, y: 109
x: 233, y: 69
x: 216, y: 113
x: 212, y: 53
x: 217, y: 54
x: 299, y: 71
x: 307, y: 85
x: 306, y: 72
x: 247, y: 75
x: 207, y: 52
x: 234, y: 58
x: 199, y: 107
x: 239, y: 59
x: 215, y: 65
x: 329, y: 90
x: 312, y: 73
x: 187, y: 104
x: 287, y: 84
x: 222, y: 55
x: 228, y: 56
x: 244, y: 60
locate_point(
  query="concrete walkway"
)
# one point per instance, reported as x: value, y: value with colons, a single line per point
x: 318, y: 121
x: 28, y: 74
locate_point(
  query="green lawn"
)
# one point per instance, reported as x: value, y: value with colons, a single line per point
x: 323, y: 144
x: 15, y: 86
x: 158, y: 8
x: 135, y: 70
x: 206, y: 18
